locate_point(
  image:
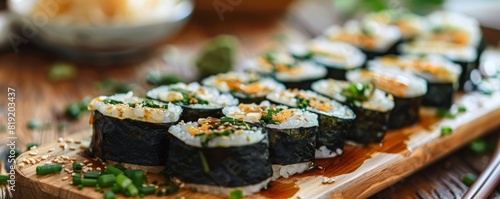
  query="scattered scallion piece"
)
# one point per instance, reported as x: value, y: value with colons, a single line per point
x: 34, y: 124
x: 77, y: 167
x: 109, y: 195
x: 446, y: 130
x: 123, y: 181
x: 113, y: 170
x: 77, y: 180
x: 48, y: 169
x: 92, y: 174
x: 236, y: 194
x: 60, y: 71
x: 80, y: 186
x: 98, y: 189
x: 462, y: 109
x: 30, y: 145
x: 132, y: 190
x: 3, y: 179
x: 138, y: 177
x: 88, y: 182
x: 172, y: 189
x: 106, y: 180
x: 468, y: 179
x: 116, y: 188
x: 147, y: 190
x: 478, y: 146
x: 445, y: 113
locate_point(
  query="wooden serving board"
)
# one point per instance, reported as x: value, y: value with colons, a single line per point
x: 358, y: 173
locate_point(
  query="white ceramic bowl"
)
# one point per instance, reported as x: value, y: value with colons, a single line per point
x: 97, y: 40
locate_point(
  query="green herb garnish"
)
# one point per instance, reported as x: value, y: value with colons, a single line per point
x: 204, y: 162
x: 445, y: 113
x: 357, y: 92
x: 469, y: 179
x: 61, y: 71
x: 267, y: 118
x: 302, y: 103
x: 446, y: 130
x: 34, y: 124
x: 462, y: 109
x: 236, y: 194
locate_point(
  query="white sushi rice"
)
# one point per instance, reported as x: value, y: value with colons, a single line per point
x: 455, y: 20
x: 308, y: 71
x: 379, y: 101
x: 286, y: 171
x: 451, y: 51
x: 416, y: 86
x: 210, y: 94
x: 336, y: 54
x: 225, y: 191
x: 288, y: 97
x: 324, y: 152
x: 413, y: 24
x: 256, y: 65
x: 386, y: 35
x: 238, y: 138
x: 145, y: 168
x: 139, y: 113
x: 268, y: 84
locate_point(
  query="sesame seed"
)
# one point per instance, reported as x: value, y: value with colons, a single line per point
x: 33, y: 153
x: 65, y: 178
x: 69, y: 140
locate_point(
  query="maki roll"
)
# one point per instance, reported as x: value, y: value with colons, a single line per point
x: 441, y: 75
x: 371, y: 106
x: 372, y: 38
x: 131, y: 130
x: 463, y: 55
x: 197, y: 101
x: 267, y: 63
x: 300, y: 75
x: 334, y: 118
x: 219, y: 155
x: 247, y: 87
x: 455, y: 28
x: 406, y: 88
x: 337, y: 57
x: 409, y: 24
x: 291, y: 131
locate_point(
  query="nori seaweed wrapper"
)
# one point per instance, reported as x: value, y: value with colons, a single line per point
x: 193, y: 114
x: 370, y: 126
x: 129, y: 141
x: 439, y: 95
x: 228, y: 166
x: 249, y: 100
x: 303, y: 85
x: 405, y: 112
x: 291, y: 146
x: 480, y: 50
x: 332, y: 131
x: 391, y: 51
x: 467, y: 68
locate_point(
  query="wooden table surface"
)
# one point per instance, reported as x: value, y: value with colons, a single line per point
x: 39, y: 98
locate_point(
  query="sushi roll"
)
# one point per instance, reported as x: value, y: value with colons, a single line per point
x: 247, y: 87
x: 132, y: 130
x: 441, y: 75
x: 409, y: 24
x: 371, y: 106
x: 268, y: 62
x: 406, y: 88
x: 463, y: 55
x: 337, y: 57
x: 197, y: 101
x: 292, y: 135
x: 334, y: 118
x: 301, y: 75
x: 372, y: 38
x: 219, y: 155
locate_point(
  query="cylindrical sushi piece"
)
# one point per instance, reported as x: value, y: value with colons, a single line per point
x: 409, y: 24
x: 406, y: 88
x: 292, y: 134
x: 301, y: 75
x: 463, y: 55
x: 268, y: 62
x: 372, y: 38
x: 334, y: 118
x: 197, y: 101
x: 453, y: 27
x: 219, y: 155
x: 246, y: 86
x: 337, y: 57
x: 132, y: 130
x: 371, y: 106
x: 441, y: 75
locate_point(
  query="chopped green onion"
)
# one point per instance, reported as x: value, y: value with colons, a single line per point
x: 478, y: 146
x: 97, y: 188
x: 106, y: 180
x: 113, y: 170
x: 445, y: 113
x: 3, y: 179
x: 468, y: 179
x: 60, y: 71
x: 109, y: 195
x: 116, y: 188
x: 77, y: 167
x: 132, y: 190
x: 92, y: 174
x: 123, y: 181
x: 147, y: 190
x: 172, y: 189
x: 34, y: 124
x: 48, y: 169
x: 80, y: 186
x: 73, y: 110
x: 89, y: 182
x: 462, y: 109
x: 446, y: 130
x: 77, y: 180
x: 138, y: 177
x: 236, y: 194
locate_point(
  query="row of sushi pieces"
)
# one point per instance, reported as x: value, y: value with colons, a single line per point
x: 203, y: 137
x: 443, y: 48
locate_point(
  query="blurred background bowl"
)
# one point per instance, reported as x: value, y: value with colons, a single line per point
x: 96, y: 43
